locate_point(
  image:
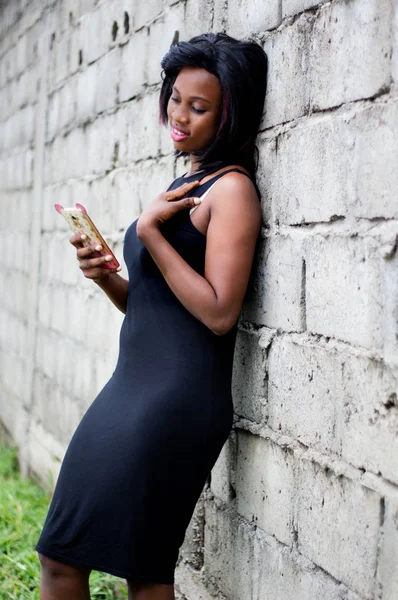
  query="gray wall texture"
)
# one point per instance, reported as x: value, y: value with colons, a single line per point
x: 303, y: 502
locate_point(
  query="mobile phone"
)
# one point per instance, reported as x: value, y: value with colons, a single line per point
x: 79, y: 221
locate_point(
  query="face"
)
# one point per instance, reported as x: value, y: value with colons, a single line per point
x: 193, y: 109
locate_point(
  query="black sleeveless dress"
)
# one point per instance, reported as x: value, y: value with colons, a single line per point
x: 141, y: 455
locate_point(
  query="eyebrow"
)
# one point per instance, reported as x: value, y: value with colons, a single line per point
x: 193, y: 97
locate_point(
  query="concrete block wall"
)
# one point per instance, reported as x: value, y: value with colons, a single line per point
x: 303, y: 501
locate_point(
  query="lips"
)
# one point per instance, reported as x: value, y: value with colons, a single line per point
x: 178, y: 134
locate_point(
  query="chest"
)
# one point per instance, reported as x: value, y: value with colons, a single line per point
x: 182, y: 235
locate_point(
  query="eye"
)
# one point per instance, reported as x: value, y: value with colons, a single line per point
x: 198, y: 110
x: 174, y: 99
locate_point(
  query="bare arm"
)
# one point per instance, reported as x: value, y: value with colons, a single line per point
x: 114, y: 286
x: 235, y: 221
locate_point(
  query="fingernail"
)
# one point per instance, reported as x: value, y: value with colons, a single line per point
x: 98, y: 248
x: 119, y: 269
x: 108, y: 257
x: 197, y: 200
x: 83, y: 236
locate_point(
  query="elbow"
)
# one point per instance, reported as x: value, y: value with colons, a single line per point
x: 222, y: 326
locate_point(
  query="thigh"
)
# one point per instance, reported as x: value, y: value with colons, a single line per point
x: 54, y: 568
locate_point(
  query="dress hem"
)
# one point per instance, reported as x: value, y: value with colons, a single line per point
x: 132, y: 578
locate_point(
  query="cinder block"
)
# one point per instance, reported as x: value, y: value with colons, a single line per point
x: 19, y: 129
x: 288, y: 52
x: 342, y: 289
x: 225, y: 566
x: 99, y: 20
x: 332, y: 168
x: 45, y: 454
x: 20, y: 55
x: 223, y: 483
x: 100, y: 148
x: 100, y: 196
x: 59, y: 312
x: 126, y: 195
x: 338, y: 74
x: 387, y: 576
x: 249, y: 387
x: 394, y: 58
x: 245, y: 17
x: 283, y: 573
x: 60, y: 52
x: 375, y: 131
x: 274, y: 295
x: 190, y: 584
x: 146, y: 12
x: 265, y: 486
x: 82, y: 151
x: 292, y: 7
x: 56, y: 194
x: 335, y: 402
x: 45, y: 306
x: 370, y: 416
x: 68, y: 103
x: 107, y: 78
x: 45, y: 355
x: 198, y: 18
x: 143, y: 134
x: 33, y: 34
x: 86, y: 93
x: 53, y: 115
x: 72, y: 10
x: 265, y: 176
x: 242, y: 563
x: 311, y: 179
x: 347, y: 515
x: 126, y: 12
x: 161, y: 35
x: 76, y: 310
x: 77, y: 60
x: 26, y: 87
x: 389, y: 294
x: 304, y: 392
x: 133, y: 66
x: 95, y: 307
x: 192, y: 549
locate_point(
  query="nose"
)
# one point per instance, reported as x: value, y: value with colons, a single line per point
x: 179, y: 114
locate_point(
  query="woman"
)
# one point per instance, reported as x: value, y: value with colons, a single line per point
x: 139, y: 459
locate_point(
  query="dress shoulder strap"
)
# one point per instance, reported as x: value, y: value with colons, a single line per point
x: 212, y: 182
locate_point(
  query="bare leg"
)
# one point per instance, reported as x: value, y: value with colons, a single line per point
x: 63, y: 582
x: 151, y: 591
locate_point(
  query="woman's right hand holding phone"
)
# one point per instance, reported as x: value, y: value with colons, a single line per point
x: 92, y: 265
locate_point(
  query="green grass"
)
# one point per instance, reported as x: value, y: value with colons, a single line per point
x: 23, y: 507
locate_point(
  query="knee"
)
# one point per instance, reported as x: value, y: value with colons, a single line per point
x: 54, y: 569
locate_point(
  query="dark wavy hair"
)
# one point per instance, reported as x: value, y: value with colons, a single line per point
x: 241, y: 67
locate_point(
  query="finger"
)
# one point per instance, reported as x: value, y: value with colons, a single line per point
x: 181, y: 191
x: 85, y: 251
x: 186, y: 203
x: 95, y: 262
x: 76, y: 239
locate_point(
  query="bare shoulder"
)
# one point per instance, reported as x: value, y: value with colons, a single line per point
x: 234, y: 196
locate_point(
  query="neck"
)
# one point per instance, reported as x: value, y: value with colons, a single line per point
x: 195, y: 165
